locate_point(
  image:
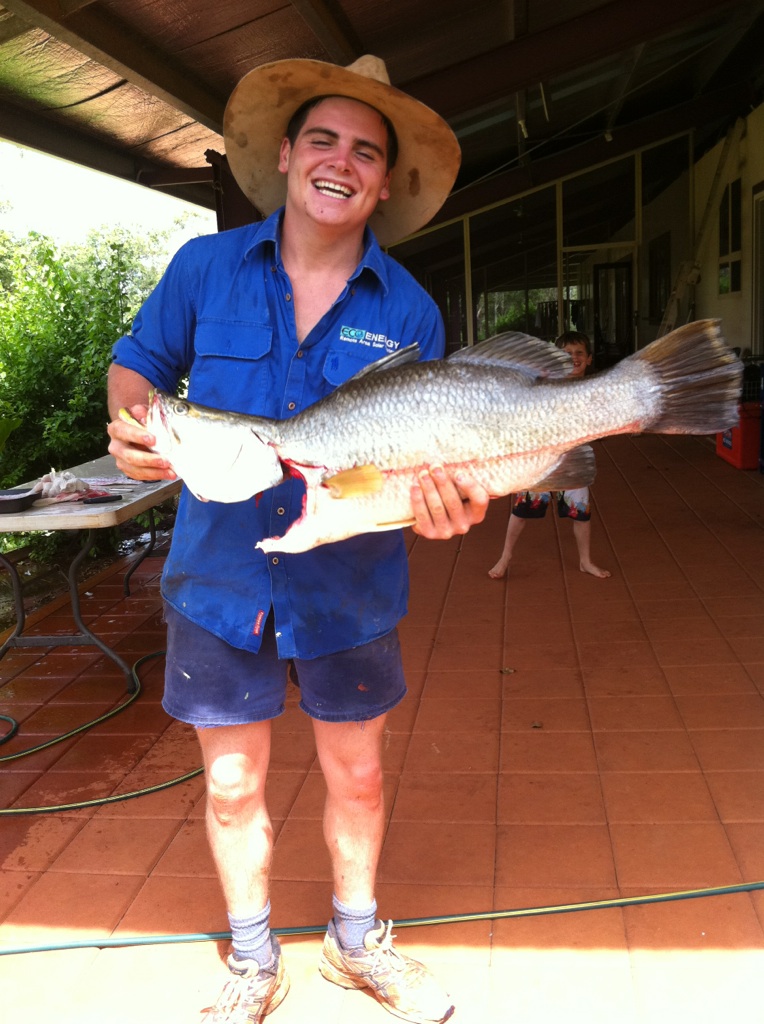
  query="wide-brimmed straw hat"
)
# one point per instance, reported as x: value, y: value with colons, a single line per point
x: 263, y: 102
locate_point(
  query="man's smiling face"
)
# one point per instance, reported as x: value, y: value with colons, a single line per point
x: 337, y: 168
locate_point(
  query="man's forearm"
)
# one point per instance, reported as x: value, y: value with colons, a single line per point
x: 126, y: 388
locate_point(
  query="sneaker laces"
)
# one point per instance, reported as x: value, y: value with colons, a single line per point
x: 239, y: 992
x: 386, y: 956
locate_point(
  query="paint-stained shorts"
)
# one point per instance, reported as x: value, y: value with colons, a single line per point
x: 210, y: 683
x: 572, y: 504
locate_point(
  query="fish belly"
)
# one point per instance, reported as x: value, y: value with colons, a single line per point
x: 326, y: 518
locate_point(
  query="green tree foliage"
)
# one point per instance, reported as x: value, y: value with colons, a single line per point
x: 61, y: 309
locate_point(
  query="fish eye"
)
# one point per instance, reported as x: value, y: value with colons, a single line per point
x: 180, y: 408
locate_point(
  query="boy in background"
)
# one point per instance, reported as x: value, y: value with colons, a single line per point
x: 572, y: 504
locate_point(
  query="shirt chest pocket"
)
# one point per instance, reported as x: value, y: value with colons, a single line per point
x: 231, y: 369
x: 340, y: 365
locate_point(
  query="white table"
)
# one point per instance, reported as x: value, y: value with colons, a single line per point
x: 137, y: 497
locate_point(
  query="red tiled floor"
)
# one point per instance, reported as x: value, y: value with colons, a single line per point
x: 565, y: 740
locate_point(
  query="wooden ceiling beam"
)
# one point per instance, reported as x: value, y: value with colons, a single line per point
x: 133, y: 58
x: 331, y: 29
x: 26, y: 128
x: 612, y: 28
x: 725, y: 103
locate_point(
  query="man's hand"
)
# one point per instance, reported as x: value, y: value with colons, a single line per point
x: 130, y: 445
x: 446, y: 506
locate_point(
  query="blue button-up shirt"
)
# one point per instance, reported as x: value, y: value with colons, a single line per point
x: 223, y: 315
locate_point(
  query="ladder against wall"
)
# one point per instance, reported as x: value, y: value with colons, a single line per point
x: 688, y: 276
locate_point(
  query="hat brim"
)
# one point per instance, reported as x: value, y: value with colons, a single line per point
x: 259, y: 110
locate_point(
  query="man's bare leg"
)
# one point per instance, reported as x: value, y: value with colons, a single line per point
x: 354, y: 815
x: 238, y: 825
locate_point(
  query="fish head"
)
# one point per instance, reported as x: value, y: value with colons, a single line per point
x: 220, y: 456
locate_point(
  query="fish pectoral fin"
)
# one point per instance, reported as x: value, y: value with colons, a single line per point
x: 355, y: 483
x: 575, y: 469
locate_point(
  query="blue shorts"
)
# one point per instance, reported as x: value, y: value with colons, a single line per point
x: 209, y: 683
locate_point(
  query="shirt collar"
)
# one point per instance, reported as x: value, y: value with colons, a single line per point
x: 373, y: 259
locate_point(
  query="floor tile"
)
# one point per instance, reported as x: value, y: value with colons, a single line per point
x: 563, y: 798
x: 556, y: 682
x: 674, y: 856
x: 729, y: 749
x: 90, y: 904
x: 540, y: 751
x: 164, y: 906
x: 654, y: 797
x: 451, y: 797
x: 705, y: 923
x: 534, y: 856
x: 738, y: 795
x: 448, y: 715
x: 552, y: 714
x: 119, y: 845
x: 463, y: 752
x: 548, y: 929
x: 708, y: 679
x: 722, y: 711
x: 621, y: 714
x: 664, y: 751
x: 32, y: 842
x: 481, y: 684
x: 693, y: 652
x: 747, y: 841
x: 431, y: 853
x: 621, y: 678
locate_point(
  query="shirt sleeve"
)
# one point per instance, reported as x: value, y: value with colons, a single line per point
x: 432, y: 333
x: 159, y: 345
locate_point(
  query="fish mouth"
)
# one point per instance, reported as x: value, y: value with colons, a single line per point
x: 158, y: 405
x: 333, y: 189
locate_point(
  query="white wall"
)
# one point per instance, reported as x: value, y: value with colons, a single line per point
x: 745, y: 160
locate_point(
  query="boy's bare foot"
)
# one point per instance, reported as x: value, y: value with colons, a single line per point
x: 499, y: 571
x: 594, y: 570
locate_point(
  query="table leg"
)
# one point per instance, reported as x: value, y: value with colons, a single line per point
x: 85, y: 637
x: 143, y: 554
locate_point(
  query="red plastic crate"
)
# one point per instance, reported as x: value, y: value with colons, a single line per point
x: 741, y: 444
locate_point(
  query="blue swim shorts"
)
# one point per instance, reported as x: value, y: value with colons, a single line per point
x: 208, y: 682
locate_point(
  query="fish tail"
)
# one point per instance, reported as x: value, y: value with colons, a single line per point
x: 700, y: 380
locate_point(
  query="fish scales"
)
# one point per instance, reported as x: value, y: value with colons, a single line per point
x: 505, y: 410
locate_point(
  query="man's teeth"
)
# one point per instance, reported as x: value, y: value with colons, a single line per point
x: 330, y: 188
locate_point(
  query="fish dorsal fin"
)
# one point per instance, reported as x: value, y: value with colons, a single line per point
x: 355, y: 482
x: 516, y: 351
x: 409, y: 354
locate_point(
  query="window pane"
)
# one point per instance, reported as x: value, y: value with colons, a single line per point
x: 514, y: 267
x: 724, y: 278
x: 735, y: 276
x: 436, y: 260
x: 598, y: 206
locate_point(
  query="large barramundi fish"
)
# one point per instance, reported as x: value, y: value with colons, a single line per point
x: 503, y: 410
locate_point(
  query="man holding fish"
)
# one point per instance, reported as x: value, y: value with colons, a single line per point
x: 266, y: 320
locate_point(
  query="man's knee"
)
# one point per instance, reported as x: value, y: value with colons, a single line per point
x: 359, y: 782
x: 233, y: 788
